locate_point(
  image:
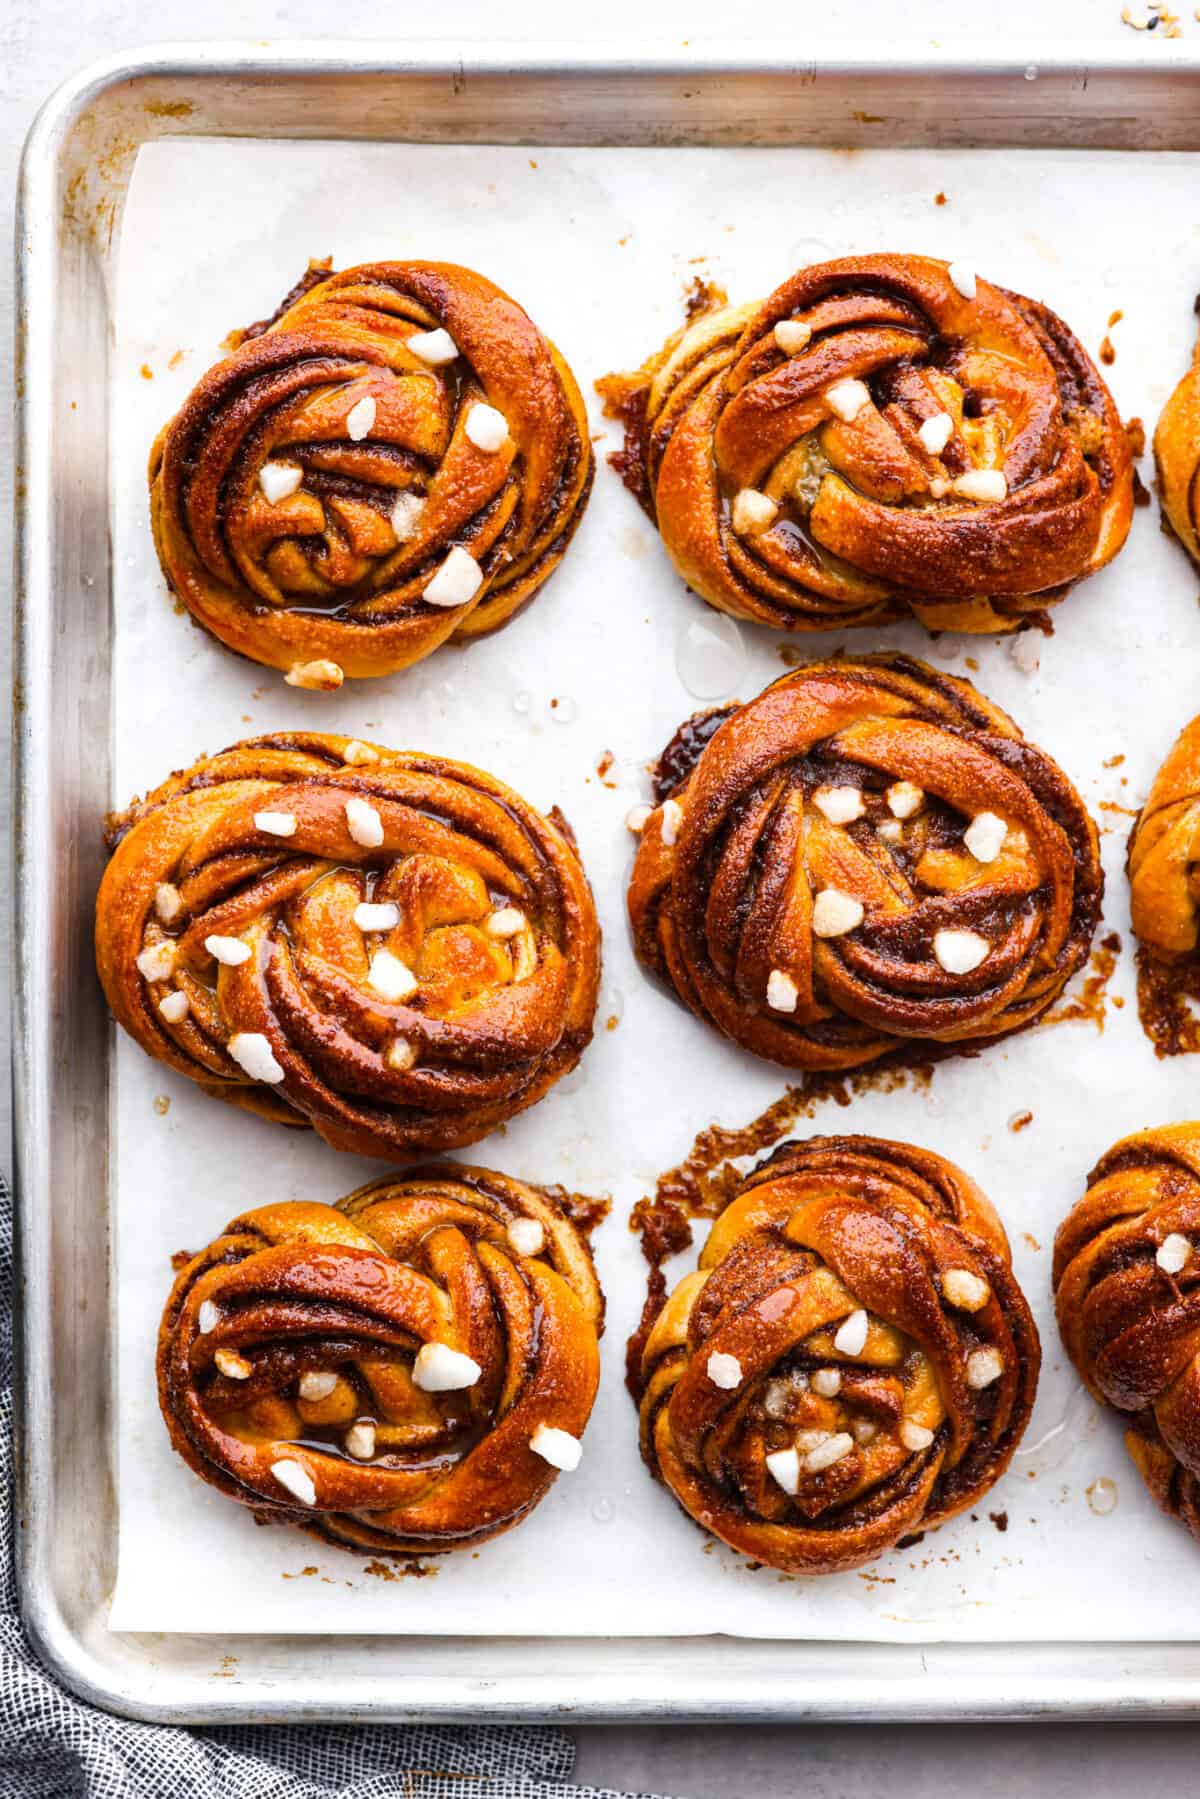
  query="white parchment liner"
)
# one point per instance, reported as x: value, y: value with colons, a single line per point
x: 599, y: 245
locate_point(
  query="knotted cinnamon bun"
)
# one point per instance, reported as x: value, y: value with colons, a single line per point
x: 884, y: 435
x: 867, y: 855
x: 852, y: 1360
x: 1164, y: 890
x: 394, y: 948
x: 1127, y: 1290
x: 398, y: 457
x: 402, y: 1373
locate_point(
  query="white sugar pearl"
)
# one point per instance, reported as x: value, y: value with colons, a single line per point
x: 433, y: 347
x: 232, y: 1365
x: 840, y: 805
x: 904, y: 799
x: 457, y: 581
x: 835, y: 913
x: 724, y: 1371
x: 935, y: 433
x: 208, y: 1317
x: 827, y: 1382
x: 440, y: 1369
x: 231, y: 952
x: 965, y: 1290
x: 890, y: 831
x: 168, y: 902
x: 174, y: 1008
x: 157, y: 961
x: 792, y: 336
x: 915, y: 1436
x: 829, y: 1452
x: 276, y: 824
x: 558, y: 1447
x: 752, y: 512
x: 507, y: 922
x: 279, y: 479
x: 985, y: 835
x: 672, y: 818
x: 851, y: 1338
x: 400, y: 1055
x: 391, y: 979
x: 359, y: 755
x: 317, y: 677
x: 986, y: 484
x: 962, y: 276
x: 406, y: 512
x: 360, y: 420
x: 783, y: 1465
x: 1026, y: 651
x: 782, y: 992
x: 959, y: 952
x: 254, y: 1056
x: 376, y: 918
x: 847, y: 399
x: 364, y: 823
x: 635, y: 819
x: 983, y: 1367
x: 486, y: 428
x: 1174, y: 1253
x: 526, y: 1237
x: 316, y: 1384
x: 360, y: 1441
x: 297, y: 1480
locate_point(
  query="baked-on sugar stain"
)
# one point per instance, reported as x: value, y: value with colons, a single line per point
x: 1089, y: 1002
x: 585, y: 1210
x: 1166, y: 992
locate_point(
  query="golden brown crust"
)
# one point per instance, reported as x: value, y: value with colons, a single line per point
x: 1164, y: 891
x: 321, y: 575
x: 502, y: 1006
x: 911, y: 1433
x: 1130, y: 1323
x: 867, y: 526
x: 1177, y: 459
x: 352, y: 1293
x: 730, y: 903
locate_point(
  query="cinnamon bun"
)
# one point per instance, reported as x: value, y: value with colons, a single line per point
x: 1127, y: 1291
x: 884, y: 436
x: 393, y: 948
x: 398, y: 457
x: 405, y: 1372
x: 867, y: 856
x: 852, y: 1360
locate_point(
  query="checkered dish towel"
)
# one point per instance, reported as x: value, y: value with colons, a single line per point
x: 54, y: 1747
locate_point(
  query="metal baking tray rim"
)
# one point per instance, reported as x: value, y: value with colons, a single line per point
x: 76, y: 162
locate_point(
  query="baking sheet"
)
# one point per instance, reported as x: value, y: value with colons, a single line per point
x: 599, y: 246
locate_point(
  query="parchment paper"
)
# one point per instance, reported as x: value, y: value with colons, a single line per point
x: 599, y: 245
